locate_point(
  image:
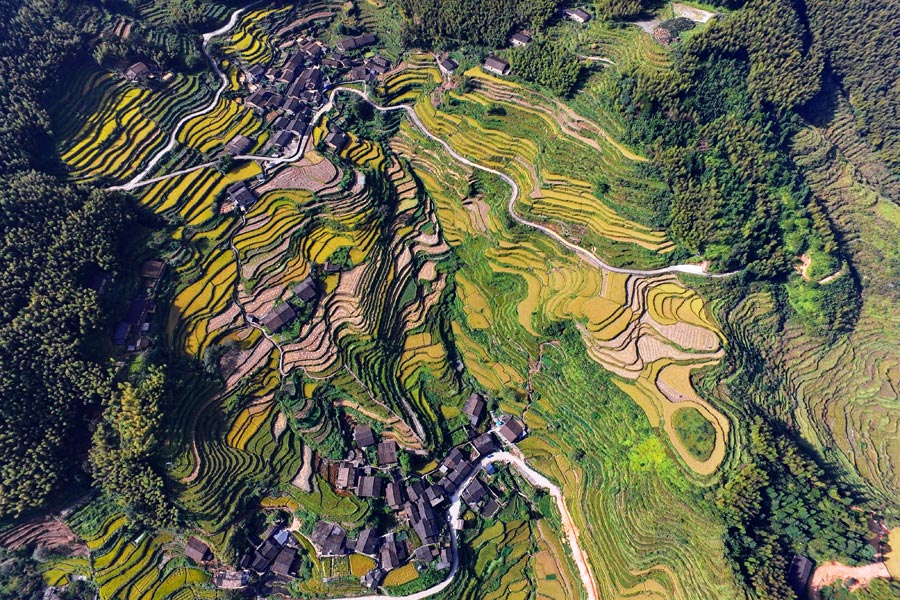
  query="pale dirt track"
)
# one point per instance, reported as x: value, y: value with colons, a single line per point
x: 832, y: 572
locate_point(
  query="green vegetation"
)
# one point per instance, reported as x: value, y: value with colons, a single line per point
x: 123, y: 444
x: 547, y: 65
x: 878, y: 589
x: 695, y: 431
x: 447, y: 24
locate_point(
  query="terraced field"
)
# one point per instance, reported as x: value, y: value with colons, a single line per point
x: 130, y: 565
x: 112, y: 126
x: 838, y: 394
x: 438, y: 292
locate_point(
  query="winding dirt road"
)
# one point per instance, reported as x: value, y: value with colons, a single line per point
x: 455, y: 510
x: 173, y: 137
x: 588, y: 256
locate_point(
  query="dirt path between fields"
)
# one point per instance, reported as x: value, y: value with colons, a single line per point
x: 832, y: 572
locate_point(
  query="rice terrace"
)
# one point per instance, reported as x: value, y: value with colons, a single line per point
x: 482, y: 299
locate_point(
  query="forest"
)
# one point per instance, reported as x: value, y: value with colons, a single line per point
x: 53, y: 234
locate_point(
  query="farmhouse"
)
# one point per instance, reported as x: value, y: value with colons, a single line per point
x: 447, y: 66
x: 519, y: 39
x: 367, y: 542
x: 511, y: 430
x: 474, y: 408
x: 281, y: 140
x: 485, y: 444
x: 306, y: 290
x: 490, y: 509
x: 577, y: 14
x: 373, y: 578
x: 370, y: 486
x: 255, y: 73
x: 363, y: 436
x: 387, y: 453
x: 394, y: 494
x: 231, y: 580
x: 336, y: 140
x: 278, y: 317
x: 284, y: 561
x: 474, y: 493
x: 241, y: 195
x: 137, y: 71
x: 359, y: 41
x: 798, y: 574
x: 239, y: 144
x: 197, y: 551
x: 346, y: 477
x: 392, y: 553
x: 153, y: 269
x: 496, y: 65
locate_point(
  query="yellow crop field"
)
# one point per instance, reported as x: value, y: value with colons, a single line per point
x: 404, y: 574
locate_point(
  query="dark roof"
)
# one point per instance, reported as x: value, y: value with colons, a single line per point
x: 291, y: 105
x: 520, y: 38
x: 578, y: 14
x: 238, y: 145
x: 370, y: 486
x: 153, y: 268
x: 282, y: 139
x: 120, y: 336
x: 367, y: 542
x: 474, y: 492
x: 490, y: 508
x: 387, y: 453
x: 798, y: 574
x: 485, y: 444
x: 434, y: 494
x: 496, y: 65
x: 373, y: 578
x: 306, y: 290
x: 336, y: 140
x: 241, y: 194
x: 363, y: 436
x: 283, y: 561
x: 359, y: 41
x: 474, y: 408
x: 137, y: 308
x: 453, y: 458
x: 346, y: 477
x: 414, y: 490
x: 256, y: 71
x: 423, y: 553
x: 298, y: 126
x: 394, y: 494
x: 138, y: 69
x: 280, y: 122
x: 511, y: 430
x: 330, y: 267
x: 278, y: 317
x: 448, y: 65
x: 320, y: 532
x: 334, y: 543
x: 196, y: 550
x: 391, y: 555
x: 459, y: 473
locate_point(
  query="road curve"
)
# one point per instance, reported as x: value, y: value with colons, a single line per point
x: 588, y: 256
x: 173, y: 137
x: 535, y: 479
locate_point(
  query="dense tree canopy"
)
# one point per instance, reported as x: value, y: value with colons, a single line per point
x: 548, y: 65
x: 445, y: 23
x: 124, y: 443
x: 52, y: 232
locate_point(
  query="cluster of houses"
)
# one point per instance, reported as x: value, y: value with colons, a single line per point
x: 499, y: 66
x: 132, y: 332
x: 418, y: 503
x: 304, y: 292
x: 288, y: 95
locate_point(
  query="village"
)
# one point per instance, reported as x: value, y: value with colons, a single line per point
x: 419, y: 503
